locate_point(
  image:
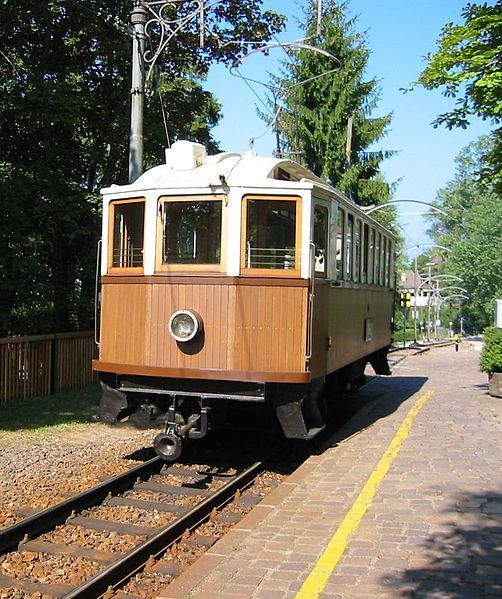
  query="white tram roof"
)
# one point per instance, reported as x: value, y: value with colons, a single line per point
x: 188, y: 166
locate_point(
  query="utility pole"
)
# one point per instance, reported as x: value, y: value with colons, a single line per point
x: 147, y: 16
x: 429, y: 304
x: 348, y: 143
x: 415, y: 300
x: 139, y: 17
x: 348, y: 148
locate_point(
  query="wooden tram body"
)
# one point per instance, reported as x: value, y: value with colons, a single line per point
x: 287, y: 283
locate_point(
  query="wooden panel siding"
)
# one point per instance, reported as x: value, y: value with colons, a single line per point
x: 340, y: 313
x: 246, y: 327
x: 211, y: 302
x: 269, y: 328
x: 40, y: 365
x: 124, y: 319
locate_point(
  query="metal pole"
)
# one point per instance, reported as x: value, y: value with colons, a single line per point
x: 429, y: 307
x: 405, y: 320
x: 139, y: 17
x: 276, y: 126
x: 436, y: 313
x: 415, y: 306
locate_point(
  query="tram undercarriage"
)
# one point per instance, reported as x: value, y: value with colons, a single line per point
x: 188, y: 408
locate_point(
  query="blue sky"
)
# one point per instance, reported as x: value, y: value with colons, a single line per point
x: 399, y: 35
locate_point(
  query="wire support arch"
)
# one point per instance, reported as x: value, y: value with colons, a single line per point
x: 279, y: 92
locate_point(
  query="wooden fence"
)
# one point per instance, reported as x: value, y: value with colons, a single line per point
x: 45, y: 364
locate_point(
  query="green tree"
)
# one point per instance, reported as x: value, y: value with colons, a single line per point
x: 471, y: 229
x: 467, y: 66
x: 64, y: 125
x: 316, y: 122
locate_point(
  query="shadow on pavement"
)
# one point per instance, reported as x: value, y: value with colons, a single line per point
x: 379, y: 398
x: 464, y: 558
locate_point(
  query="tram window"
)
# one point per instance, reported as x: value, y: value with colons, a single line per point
x: 321, y: 240
x: 376, y: 270
x: 388, y: 271
x: 366, y: 252
x: 271, y: 234
x: 357, y: 250
x: 349, y: 247
x: 127, y: 220
x: 371, y: 259
x: 340, y: 234
x: 191, y: 229
x: 383, y: 254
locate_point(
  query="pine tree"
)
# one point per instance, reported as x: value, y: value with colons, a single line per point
x: 334, y: 98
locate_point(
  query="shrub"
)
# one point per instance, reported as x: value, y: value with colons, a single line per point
x: 491, y: 356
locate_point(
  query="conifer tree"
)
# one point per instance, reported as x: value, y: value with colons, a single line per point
x: 334, y: 99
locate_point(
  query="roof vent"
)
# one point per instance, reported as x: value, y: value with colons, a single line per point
x: 185, y: 155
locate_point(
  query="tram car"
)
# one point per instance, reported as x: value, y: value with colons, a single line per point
x: 232, y: 280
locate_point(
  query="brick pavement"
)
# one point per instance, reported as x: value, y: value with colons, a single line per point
x: 434, y: 528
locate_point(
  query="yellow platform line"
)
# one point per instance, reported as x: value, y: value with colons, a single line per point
x: 317, y: 579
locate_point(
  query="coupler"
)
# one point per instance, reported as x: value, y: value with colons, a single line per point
x: 169, y: 444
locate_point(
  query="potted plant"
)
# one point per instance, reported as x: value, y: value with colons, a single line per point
x: 491, y: 359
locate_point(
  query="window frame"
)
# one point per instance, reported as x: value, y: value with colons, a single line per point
x: 268, y: 272
x: 349, y: 247
x: 340, y: 214
x: 383, y: 260
x: 390, y: 263
x: 376, y: 262
x: 321, y: 208
x: 123, y: 270
x: 358, y: 249
x: 160, y: 266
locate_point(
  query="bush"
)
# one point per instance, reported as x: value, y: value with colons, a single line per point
x: 491, y: 356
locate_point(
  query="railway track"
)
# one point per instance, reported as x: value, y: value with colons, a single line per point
x: 180, y: 497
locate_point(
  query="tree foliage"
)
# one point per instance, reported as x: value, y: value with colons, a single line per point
x: 64, y: 125
x: 467, y: 66
x: 471, y: 229
x: 316, y: 121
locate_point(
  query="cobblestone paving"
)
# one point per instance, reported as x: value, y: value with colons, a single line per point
x: 434, y: 529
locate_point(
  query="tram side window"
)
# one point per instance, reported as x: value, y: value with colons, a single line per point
x: 371, y: 260
x: 191, y: 231
x: 388, y: 264
x: 365, y: 256
x: 340, y: 234
x: 127, y: 220
x: 376, y: 270
x: 357, y: 250
x: 349, y: 247
x: 321, y: 240
x: 383, y: 256
x: 271, y: 234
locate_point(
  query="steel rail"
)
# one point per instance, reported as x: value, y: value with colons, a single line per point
x: 126, y: 566
x: 46, y: 519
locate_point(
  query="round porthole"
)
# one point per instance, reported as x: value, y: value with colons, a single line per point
x: 184, y: 325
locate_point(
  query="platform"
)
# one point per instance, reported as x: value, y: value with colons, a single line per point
x: 404, y: 501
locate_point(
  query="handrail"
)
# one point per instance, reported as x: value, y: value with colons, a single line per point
x: 97, y: 293
x: 311, y: 300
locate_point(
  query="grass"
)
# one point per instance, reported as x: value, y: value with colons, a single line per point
x: 39, y: 417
